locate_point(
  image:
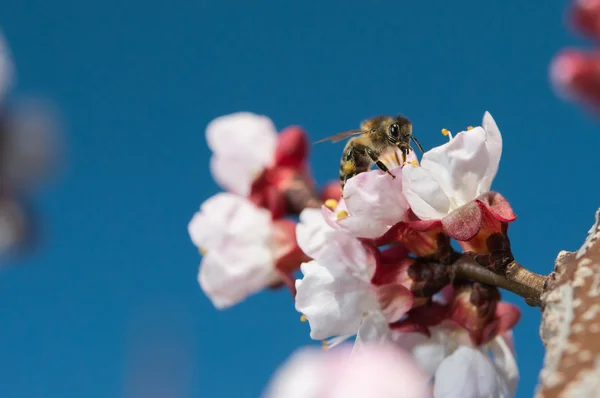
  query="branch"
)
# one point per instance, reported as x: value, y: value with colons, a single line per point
x: 570, y: 326
x: 527, y: 285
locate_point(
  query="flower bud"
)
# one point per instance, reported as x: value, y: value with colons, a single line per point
x: 292, y: 148
x: 473, y: 307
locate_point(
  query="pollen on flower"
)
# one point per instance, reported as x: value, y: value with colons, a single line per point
x: 303, y: 318
x: 445, y: 131
x: 470, y: 128
x: 331, y: 203
x: 342, y: 214
x: 324, y: 345
x: 203, y: 251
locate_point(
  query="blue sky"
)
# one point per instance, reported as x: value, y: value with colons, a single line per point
x: 109, y: 306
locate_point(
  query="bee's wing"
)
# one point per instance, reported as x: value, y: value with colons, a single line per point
x: 340, y: 136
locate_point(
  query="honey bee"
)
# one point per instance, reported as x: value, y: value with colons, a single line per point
x: 379, y: 136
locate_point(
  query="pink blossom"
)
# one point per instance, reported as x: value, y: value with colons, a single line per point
x: 381, y: 371
x: 451, y: 188
x: 372, y: 202
x: 336, y: 294
x: 244, y: 250
x: 250, y: 159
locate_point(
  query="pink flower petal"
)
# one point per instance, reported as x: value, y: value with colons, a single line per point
x: 381, y: 371
x: 330, y: 246
x: 508, y: 315
x: 375, y: 202
x: 497, y: 206
x: 395, y: 301
x: 464, y: 222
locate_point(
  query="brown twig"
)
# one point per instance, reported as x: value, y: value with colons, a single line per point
x: 467, y: 267
x: 517, y: 273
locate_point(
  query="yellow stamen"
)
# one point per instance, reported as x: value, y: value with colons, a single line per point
x: 342, y: 214
x: 470, y: 128
x: 445, y: 131
x: 324, y: 345
x: 414, y: 163
x: 203, y: 251
x: 303, y: 318
x: 331, y: 203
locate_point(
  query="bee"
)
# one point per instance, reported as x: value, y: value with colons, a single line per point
x: 379, y: 136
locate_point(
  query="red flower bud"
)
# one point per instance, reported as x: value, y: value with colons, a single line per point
x: 576, y: 75
x: 585, y: 17
x: 292, y: 148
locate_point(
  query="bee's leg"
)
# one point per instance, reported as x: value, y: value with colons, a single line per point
x: 404, y: 152
x: 417, y: 143
x: 378, y: 162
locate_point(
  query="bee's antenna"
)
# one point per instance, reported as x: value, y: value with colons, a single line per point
x: 417, y: 143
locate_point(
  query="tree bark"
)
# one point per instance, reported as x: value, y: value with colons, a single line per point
x: 570, y: 326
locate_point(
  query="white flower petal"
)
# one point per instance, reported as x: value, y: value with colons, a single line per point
x: 229, y: 217
x: 459, y: 165
x: 493, y: 144
x: 504, y: 359
x: 234, y: 174
x: 333, y: 300
x: 229, y: 277
x: 373, y: 329
x: 332, y: 247
x: 428, y: 352
x: 375, y: 202
x: 424, y: 194
x: 243, y: 145
x: 6, y: 68
x: 467, y: 373
x: 243, y: 134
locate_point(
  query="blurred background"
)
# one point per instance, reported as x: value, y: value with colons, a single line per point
x: 107, y: 305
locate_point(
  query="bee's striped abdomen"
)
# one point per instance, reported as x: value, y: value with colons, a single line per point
x: 354, y: 160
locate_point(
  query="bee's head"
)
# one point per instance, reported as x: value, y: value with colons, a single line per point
x: 400, y: 130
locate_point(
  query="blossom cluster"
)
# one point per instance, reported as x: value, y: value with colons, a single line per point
x: 376, y: 259
x: 27, y: 149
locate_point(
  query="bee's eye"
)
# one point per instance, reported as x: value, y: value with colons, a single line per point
x: 394, y: 130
